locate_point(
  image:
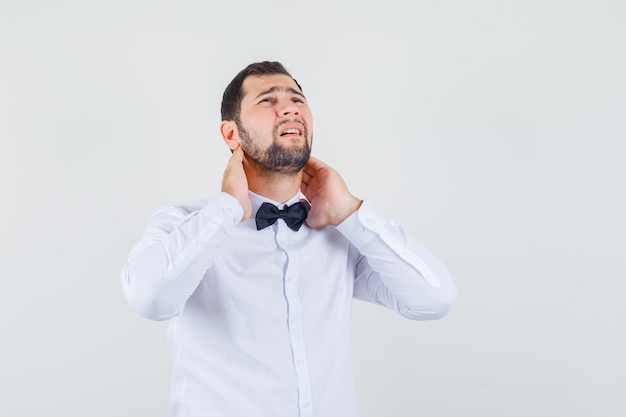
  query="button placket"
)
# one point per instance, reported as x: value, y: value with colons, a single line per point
x: 284, y: 237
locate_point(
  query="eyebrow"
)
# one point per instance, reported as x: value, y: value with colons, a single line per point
x: 282, y: 89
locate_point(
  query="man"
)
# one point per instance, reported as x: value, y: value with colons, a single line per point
x: 260, y: 301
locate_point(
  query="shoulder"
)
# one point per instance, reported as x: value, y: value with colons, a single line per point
x: 182, y: 210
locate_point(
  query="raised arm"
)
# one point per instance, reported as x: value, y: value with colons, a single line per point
x: 179, y: 245
x: 393, y: 269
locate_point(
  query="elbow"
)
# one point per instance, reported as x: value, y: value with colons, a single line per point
x: 149, y: 307
x: 145, y: 300
x: 437, y: 307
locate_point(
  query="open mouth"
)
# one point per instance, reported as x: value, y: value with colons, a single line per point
x: 291, y: 129
x: 291, y: 132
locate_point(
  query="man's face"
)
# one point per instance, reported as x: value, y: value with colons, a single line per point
x: 275, y: 126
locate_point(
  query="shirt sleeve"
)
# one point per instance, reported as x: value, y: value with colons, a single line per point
x: 396, y: 271
x: 179, y: 245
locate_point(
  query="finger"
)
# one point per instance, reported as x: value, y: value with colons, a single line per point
x: 306, y: 177
x: 312, y: 165
x: 237, y: 154
x: 315, y: 163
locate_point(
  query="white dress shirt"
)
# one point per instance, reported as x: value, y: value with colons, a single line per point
x: 260, y: 320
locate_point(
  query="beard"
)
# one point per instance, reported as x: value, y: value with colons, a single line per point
x: 276, y: 158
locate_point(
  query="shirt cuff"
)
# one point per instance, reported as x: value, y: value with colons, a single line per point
x: 225, y: 209
x: 362, y: 226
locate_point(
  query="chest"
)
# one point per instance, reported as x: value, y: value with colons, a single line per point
x: 265, y: 272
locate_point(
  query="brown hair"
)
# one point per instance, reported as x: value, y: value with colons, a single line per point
x: 231, y: 100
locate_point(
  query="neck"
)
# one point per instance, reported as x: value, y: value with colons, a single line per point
x: 273, y: 185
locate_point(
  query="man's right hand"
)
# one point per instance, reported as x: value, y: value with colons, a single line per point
x: 235, y: 182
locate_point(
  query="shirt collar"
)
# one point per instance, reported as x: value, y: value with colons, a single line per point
x: 256, y: 200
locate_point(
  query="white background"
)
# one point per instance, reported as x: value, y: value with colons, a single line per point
x: 494, y: 131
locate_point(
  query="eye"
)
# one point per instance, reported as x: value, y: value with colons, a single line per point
x: 297, y: 100
x: 267, y: 100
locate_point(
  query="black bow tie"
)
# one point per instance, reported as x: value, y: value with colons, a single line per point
x: 294, y: 215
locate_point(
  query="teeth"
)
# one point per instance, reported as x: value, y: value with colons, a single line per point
x: 289, y: 131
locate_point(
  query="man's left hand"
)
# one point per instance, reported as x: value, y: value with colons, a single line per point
x: 331, y: 202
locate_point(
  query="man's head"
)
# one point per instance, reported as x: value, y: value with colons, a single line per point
x: 231, y: 100
x: 265, y: 111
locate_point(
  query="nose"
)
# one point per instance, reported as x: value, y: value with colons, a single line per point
x: 287, y: 107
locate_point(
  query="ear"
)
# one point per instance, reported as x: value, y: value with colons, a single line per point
x: 228, y: 129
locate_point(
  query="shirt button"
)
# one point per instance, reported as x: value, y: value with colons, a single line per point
x: 306, y: 404
x: 293, y: 321
x: 228, y: 210
x: 360, y: 228
x: 300, y: 362
x: 369, y: 221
